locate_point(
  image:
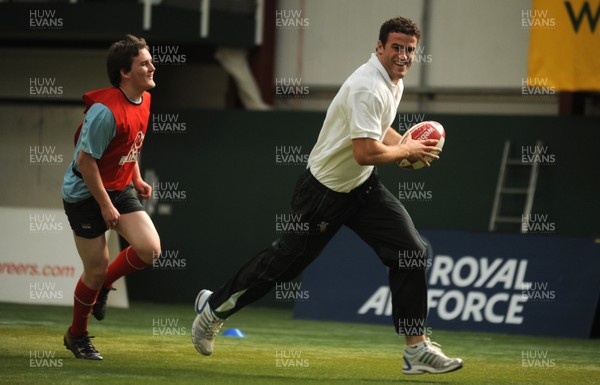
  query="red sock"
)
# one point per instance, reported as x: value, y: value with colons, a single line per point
x: 126, y: 262
x: 84, y: 300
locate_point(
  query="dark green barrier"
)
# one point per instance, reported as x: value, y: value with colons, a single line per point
x: 226, y: 178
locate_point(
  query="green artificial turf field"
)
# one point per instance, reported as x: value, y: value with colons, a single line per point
x: 151, y: 344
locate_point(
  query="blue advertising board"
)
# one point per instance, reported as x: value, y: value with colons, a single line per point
x: 519, y: 284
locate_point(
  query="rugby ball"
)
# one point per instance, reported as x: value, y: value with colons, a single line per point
x: 421, y: 131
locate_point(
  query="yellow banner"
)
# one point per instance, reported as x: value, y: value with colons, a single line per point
x: 564, y: 47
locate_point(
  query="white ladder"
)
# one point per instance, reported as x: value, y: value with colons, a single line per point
x: 503, y: 191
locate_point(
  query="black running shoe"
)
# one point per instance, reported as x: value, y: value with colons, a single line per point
x: 99, y: 308
x: 81, y: 346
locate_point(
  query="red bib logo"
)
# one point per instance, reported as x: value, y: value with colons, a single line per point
x: 134, y: 152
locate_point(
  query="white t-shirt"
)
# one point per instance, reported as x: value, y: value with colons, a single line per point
x: 364, y: 107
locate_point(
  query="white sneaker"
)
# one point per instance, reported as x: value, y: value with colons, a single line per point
x: 427, y: 357
x: 206, y: 325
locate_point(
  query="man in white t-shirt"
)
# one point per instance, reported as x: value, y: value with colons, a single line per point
x: 340, y: 187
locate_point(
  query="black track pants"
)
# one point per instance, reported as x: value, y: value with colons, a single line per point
x: 373, y: 213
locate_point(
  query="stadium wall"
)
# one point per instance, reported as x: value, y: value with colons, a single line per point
x: 226, y: 178
x: 223, y: 181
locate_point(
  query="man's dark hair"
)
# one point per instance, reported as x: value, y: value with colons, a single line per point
x: 120, y: 56
x: 401, y: 25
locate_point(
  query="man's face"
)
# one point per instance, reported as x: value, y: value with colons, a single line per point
x: 397, y: 54
x: 141, y: 75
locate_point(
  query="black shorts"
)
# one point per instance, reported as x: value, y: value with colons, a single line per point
x: 85, y: 217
